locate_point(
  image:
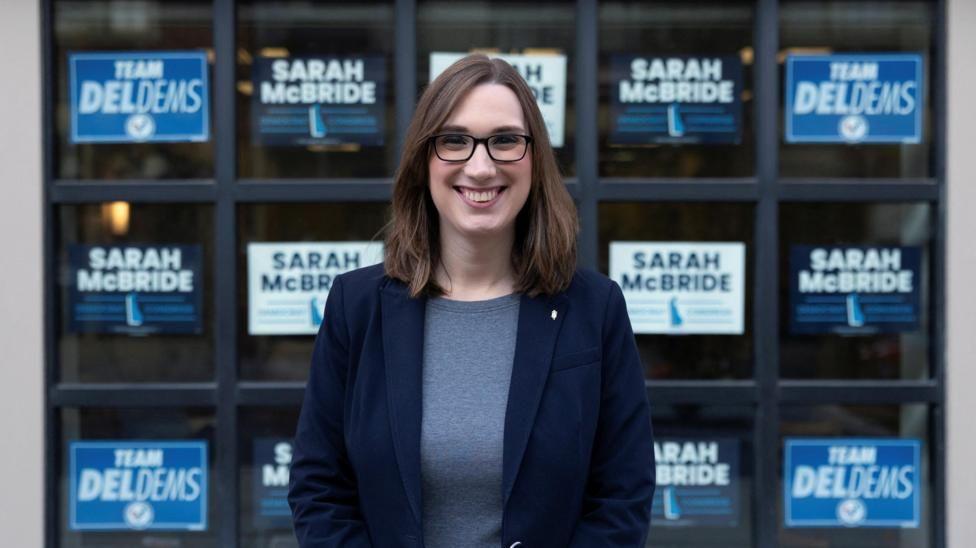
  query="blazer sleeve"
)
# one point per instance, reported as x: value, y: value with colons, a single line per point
x: 323, y: 492
x: 620, y: 485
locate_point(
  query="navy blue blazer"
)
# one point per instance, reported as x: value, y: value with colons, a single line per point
x: 578, y: 458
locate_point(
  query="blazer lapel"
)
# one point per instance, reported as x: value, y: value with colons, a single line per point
x: 538, y: 324
x: 403, y: 345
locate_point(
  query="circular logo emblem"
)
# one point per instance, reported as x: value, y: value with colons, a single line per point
x: 138, y: 515
x: 851, y: 512
x: 140, y: 126
x: 853, y: 128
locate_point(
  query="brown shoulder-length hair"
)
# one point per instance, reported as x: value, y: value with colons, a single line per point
x: 544, y: 252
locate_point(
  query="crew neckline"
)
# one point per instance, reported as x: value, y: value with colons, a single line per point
x: 495, y: 303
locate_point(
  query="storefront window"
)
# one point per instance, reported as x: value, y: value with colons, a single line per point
x: 136, y: 293
x: 705, y: 479
x: 854, y: 291
x: 857, y: 435
x: 265, y: 451
x: 138, y: 71
x: 315, y: 90
x: 903, y: 148
x: 676, y: 97
x: 684, y: 338
x: 110, y: 455
x: 289, y: 255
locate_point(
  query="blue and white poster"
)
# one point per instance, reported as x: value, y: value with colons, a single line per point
x: 545, y: 73
x: 675, y: 99
x: 137, y: 485
x: 847, y: 482
x: 319, y: 100
x: 854, y: 98
x: 854, y: 289
x: 139, y: 97
x: 136, y: 289
x: 288, y: 282
x: 682, y: 288
x: 272, y: 463
x: 698, y: 482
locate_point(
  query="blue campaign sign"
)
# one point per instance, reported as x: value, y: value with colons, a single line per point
x: 854, y: 98
x: 138, y: 485
x: 272, y: 463
x: 135, y: 289
x: 848, y: 482
x: 318, y: 100
x: 854, y: 289
x: 698, y: 482
x: 675, y: 99
x: 140, y: 96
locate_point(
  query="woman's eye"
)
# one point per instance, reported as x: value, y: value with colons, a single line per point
x: 454, y: 141
x: 505, y: 140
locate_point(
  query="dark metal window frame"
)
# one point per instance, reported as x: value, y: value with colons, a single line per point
x: 765, y: 391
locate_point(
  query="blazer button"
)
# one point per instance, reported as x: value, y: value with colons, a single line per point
x: 515, y: 544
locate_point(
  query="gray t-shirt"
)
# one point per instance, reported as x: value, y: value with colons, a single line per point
x: 469, y: 347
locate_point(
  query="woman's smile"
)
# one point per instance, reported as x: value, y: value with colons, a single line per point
x: 480, y: 197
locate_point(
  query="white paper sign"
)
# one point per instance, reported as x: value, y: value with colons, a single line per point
x: 288, y: 282
x: 681, y: 288
x: 545, y: 74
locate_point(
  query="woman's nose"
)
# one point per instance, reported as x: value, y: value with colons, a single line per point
x: 480, y: 165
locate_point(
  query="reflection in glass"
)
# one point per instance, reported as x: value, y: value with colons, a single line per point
x: 537, y: 28
x: 116, y: 357
x: 687, y: 356
x: 824, y: 27
x: 127, y: 25
x: 728, y: 433
x: 264, y: 450
x: 888, y: 421
x: 286, y: 357
x: 157, y: 424
x: 672, y: 29
x: 902, y: 355
x: 295, y: 29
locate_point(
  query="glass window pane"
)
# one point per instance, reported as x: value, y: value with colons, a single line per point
x: 124, y: 26
x: 840, y: 349
x: 132, y: 424
x: 136, y: 297
x: 691, y: 356
x: 705, y: 476
x: 540, y: 28
x: 312, y: 228
x: 264, y: 451
x: 908, y: 421
x: 826, y: 27
x: 690, y: 32
x: 315, y: 93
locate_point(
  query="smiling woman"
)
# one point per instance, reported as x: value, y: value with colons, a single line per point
x: 477, y: 365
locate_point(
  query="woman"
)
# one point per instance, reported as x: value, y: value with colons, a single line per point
x: 475, y: 389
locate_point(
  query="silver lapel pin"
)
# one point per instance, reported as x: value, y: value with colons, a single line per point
x: 554, y: 314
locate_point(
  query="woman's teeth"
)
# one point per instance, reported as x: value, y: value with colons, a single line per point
x: 480, y: 196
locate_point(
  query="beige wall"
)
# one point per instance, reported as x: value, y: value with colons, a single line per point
x: 21, y: 366
x: 961, y: 267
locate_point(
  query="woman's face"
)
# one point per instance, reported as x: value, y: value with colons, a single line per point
x: 481, y: 197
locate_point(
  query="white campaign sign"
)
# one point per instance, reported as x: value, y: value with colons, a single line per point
x: 681, y: 287
x: 545, y: 74
x: 288, y: 282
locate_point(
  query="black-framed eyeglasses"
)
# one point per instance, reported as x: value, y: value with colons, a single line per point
x: 459, y: 147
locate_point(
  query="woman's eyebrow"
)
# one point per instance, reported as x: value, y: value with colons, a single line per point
x: 499, y: 129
